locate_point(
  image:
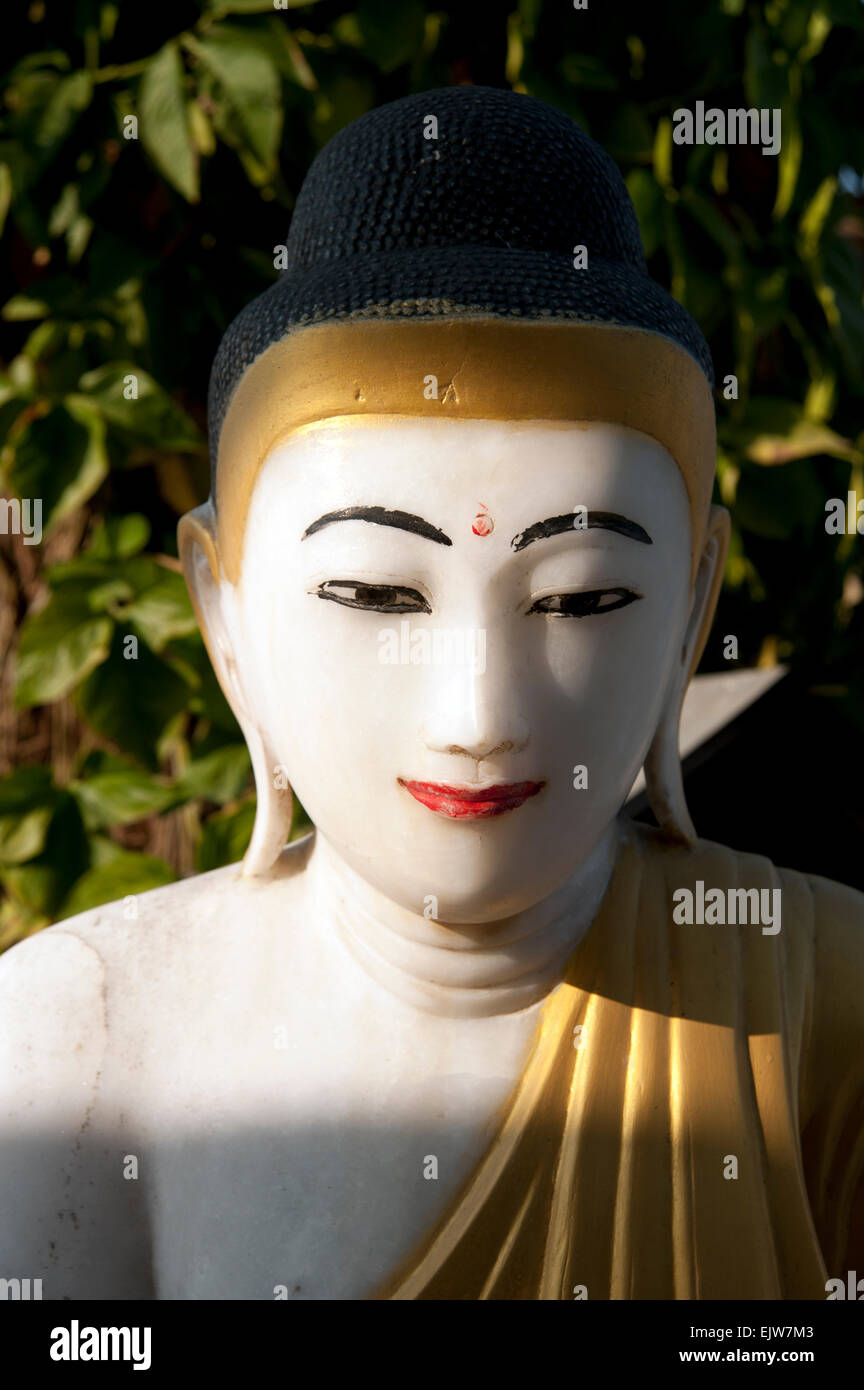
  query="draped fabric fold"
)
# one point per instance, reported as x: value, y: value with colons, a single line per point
x: 651, y: 1148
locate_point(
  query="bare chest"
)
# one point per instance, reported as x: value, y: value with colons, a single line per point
x: 312, y: 1168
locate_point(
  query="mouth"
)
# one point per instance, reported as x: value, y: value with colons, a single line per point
x: 472, y: 803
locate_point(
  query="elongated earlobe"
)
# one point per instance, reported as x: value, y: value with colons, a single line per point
x: 197, y: 542
x: 274, y: 813
x: 663, y: 776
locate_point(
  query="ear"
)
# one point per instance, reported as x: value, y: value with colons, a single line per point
x: 199, y: 555
x: 664, y: 781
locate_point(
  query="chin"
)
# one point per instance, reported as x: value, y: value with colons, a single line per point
x: 484, y: 908
x: 473, y: 885
x: 456, y: 871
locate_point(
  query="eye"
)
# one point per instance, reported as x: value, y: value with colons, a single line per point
x: 375, y: 598
x: 584, y: 605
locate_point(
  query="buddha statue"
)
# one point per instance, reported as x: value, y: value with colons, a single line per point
x: 479, y: 1035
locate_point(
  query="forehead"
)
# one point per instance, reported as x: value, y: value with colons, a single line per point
x: 449, y: 464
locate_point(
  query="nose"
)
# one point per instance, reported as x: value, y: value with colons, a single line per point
x: 469, y: 718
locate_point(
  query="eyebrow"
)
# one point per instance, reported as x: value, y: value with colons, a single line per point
x: 380, y: 516
x: 556, y: 525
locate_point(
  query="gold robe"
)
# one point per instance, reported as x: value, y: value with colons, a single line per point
x: 690, y: 1123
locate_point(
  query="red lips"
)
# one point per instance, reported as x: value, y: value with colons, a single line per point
x: 472, y: 803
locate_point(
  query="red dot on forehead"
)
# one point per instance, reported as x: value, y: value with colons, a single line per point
x: 483, y: 525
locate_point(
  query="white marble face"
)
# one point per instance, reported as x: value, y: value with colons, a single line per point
x: 430, y: 687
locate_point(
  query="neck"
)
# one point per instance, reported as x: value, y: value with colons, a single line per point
x: 459, y: 970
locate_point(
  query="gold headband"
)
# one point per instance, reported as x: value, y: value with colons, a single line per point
x: 493, y: 369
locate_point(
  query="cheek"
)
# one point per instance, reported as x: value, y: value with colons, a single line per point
x: 325, y: 696
x: 628, y: 651
x: 597, y: 685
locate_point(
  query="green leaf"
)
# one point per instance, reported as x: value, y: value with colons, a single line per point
x: 132, y: 701
x: 21, y: 308
x: 120, y: 797
x: 773, y: 430
x: 22, y: 836
x: 150, y: 416
x: 821, y: 398
x: 60, y: 457
x: 41, y: 883
x: 806, y: 439
x: 776, y: 505
x: 58, y: 648
x: 5, y: 194
x: 629, y: 135
x: 119, y: 537
x: 818, y: 28
x: 220, y: 776
x: 139, y: 572
x: 590, y: 73
x: 300, y: 823
x: 202, y: 129
x: 188, y: 656
x: 65, y: 210
x: 713, y: 222
x: 82, y: 576
x: 842, y: 296
x: 162, y: 612
x: 22, y: 374
x: 18, y: 922
x: 27, y: 804
x: 61, y: 295
x: 125, y: 874
x: 250, y: 83
x: 25, y: 787
x: 339, y: 101
x: 662, y: 152
x: 647, y: 197
x: 10, y: 410
x: 163, y: 122
x: 225, y: 838
x: 813, y: 218
x: 392, y: 35
x: 789, y: 158
x: 69, y: 97
x: 99, y: 760
x: 289, y: 56
x: 765, y: 83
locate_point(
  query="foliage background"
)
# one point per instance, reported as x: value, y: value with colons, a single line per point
x: 132, y: 256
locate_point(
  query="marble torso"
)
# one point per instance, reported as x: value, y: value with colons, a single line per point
x: 282, y: 1131
x: 286, y: 1128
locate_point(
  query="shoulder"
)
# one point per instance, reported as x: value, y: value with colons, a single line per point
x: 75, y: 959
x: 817, y: 958
x: 68, y: 964
x: 59, y: 986
x: 834, y: 911
x: 822, y: 921
x: 826, y: 939
x: 837, y: 1031
x: 52, y: 1010
x: 716, y: 865
x: 839, y: 914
